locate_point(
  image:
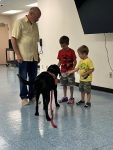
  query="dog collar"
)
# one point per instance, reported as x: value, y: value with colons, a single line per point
x: 55, y: 78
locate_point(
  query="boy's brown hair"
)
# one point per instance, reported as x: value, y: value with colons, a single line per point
x: 83, y: 49
x: 64, y: 39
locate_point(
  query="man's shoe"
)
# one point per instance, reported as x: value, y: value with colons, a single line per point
x: 25, y: 102
x: 33, y: 100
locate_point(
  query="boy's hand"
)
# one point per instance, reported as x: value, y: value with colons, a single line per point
x: 85, y: 75
x: 70, y: 72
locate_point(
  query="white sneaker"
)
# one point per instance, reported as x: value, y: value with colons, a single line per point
x: 33, y: 100
x: 25, y: 102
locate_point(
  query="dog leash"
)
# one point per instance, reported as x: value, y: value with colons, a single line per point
x: 52, y: 121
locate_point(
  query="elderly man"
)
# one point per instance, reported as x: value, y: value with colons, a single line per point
x: 25, y: 36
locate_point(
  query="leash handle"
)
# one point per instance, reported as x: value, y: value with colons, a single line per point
x: 51, y: 110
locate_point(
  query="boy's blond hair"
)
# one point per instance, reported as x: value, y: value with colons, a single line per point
x: 83, y: 49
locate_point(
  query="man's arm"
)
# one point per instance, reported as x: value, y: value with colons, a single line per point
x: 16, y: 49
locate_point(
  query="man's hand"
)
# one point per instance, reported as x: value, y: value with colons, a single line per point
x: 19, y: 59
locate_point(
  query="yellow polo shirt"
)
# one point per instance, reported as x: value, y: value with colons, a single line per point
x: 27, y: 36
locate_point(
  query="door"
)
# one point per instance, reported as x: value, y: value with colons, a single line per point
x: 3, y: 42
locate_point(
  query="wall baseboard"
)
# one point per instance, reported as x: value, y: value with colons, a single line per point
x: 98, y: 88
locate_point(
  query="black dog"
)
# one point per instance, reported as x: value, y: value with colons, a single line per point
x: 43, y: 84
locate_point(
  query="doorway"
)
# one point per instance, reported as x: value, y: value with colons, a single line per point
x: 4, y: 36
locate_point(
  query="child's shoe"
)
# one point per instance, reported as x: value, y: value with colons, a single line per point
x: 88, y: 104
x: 71, y: 101
x: 64, y: 99
x: 80, y: 102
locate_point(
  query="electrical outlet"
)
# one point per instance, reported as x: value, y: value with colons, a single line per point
x: 110, y: 75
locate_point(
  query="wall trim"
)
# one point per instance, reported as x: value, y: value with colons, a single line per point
x: 98, y: 88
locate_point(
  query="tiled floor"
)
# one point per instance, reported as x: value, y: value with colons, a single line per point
x: 78, y: 128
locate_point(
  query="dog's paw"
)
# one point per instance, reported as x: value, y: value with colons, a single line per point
x: 36, y: 114
x: 57, y: 105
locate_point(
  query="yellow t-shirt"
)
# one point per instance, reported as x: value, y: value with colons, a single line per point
x: 27, y: 36
x: 84, y: 65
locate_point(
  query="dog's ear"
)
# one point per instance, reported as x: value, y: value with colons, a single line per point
x: 58, y: 70
x: 50, y: 69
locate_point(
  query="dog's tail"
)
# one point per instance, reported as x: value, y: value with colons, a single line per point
x: 25, y: 81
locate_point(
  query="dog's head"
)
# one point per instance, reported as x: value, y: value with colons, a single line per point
x: 54, y: 69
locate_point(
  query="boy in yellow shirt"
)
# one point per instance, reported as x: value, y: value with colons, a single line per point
x: 85, y: 68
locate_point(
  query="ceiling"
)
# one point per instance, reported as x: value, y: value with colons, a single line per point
x: 15, y: 5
